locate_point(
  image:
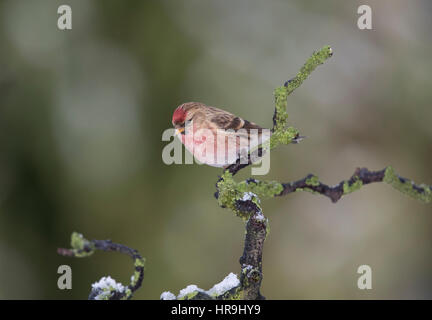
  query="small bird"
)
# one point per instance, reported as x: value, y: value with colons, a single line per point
x: 214, y: 136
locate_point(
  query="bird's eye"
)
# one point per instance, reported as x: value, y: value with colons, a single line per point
x: 182, y: 128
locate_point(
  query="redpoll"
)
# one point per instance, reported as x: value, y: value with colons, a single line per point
x: 214, y: 136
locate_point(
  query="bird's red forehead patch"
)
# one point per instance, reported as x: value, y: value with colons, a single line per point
x: 179, y: 115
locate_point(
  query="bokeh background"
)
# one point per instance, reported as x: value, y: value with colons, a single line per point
x: 81, y: 119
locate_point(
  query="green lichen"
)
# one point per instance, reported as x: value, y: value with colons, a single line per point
x: 314, y: 61
x: 307, y: 190
x: 128, y: 294
x: 79, y: 245
x: 356, y: 185
x: 263, y: 189
x: 231, y: 191
x: 135, y: 278
x: 227, y: 190
x: 190, y: 296
x: 267, y: 228
x: 312, y: 181
x: 407, y: 186
x: 281, y: 134
x: 280, y: 96
x: 236, y: 293
x: 244, y: 278
x: 77, y: 241
x: 139, y: 262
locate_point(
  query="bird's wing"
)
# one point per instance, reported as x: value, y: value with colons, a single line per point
x: 225, y: 120
x: 221, y: 119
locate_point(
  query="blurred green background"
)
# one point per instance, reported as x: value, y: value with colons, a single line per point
x: 81, y: 119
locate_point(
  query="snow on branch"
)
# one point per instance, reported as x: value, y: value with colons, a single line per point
x: 107, y: 288
x: 220, y: 290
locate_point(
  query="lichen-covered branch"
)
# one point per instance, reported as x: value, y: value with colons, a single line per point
x: 107, y: 288
x: 229, y: 191
x: 360, y: 177
x: 243, y: 198
x: 281, y: 133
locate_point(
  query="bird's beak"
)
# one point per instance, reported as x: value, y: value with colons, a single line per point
x: 179, y: 131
